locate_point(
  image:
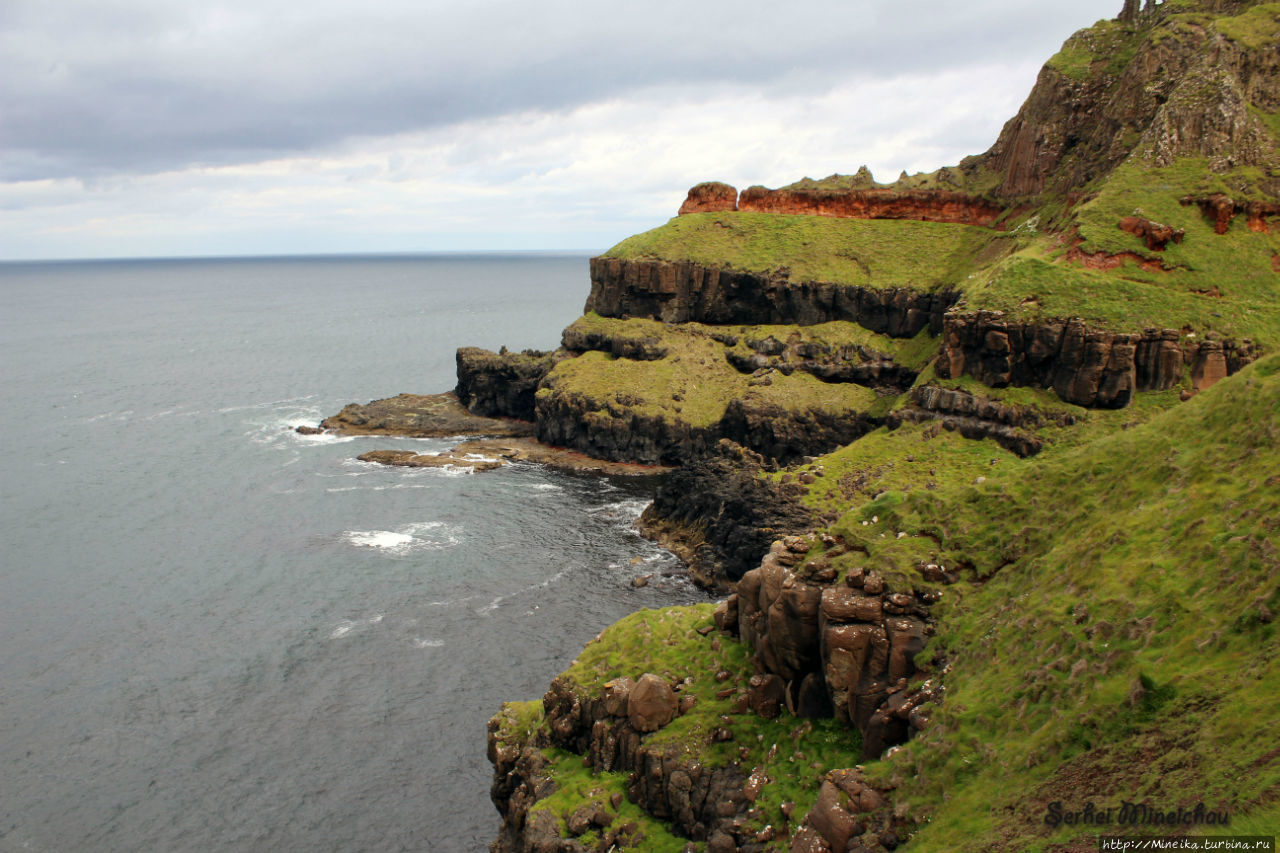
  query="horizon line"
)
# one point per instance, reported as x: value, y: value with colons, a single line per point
x: 284, y: 256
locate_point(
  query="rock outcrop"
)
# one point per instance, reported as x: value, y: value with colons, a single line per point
x: 1221, y: 209
x: 710, y: 197
x: 922, y: 205
x: 858, y: 364
x: 1186, y: 94
x: 720, y: 516
x: 418, y: 416
x: 685, y: 292
x: 1155, y: 235
x: 501, y: 384
x: 1083, y: 366
x: 852, y: 643
x: 978, y: 417
x: 699, y: 801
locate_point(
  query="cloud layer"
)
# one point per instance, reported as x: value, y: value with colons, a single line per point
x: 173, y: 128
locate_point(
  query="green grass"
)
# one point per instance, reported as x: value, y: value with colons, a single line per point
x: 1256, y: 28
x: 1165, y: 535
x: 792, y: 754
x: 577, y: 786
x: 926, y: 256
x: 695, y: 382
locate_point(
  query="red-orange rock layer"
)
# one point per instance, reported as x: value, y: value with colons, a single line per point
x: 921, y: 205
x: 1156, y: 235
x: 710, y: 197
x: 1221, y: 209
x: 1108, y: 261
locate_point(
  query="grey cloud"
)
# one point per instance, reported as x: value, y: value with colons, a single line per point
x: 95, y: 87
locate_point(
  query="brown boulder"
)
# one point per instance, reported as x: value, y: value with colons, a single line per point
x: 832, y: 820
x: 616, y: 694
x: 652, y: 703
x: 766, y: 695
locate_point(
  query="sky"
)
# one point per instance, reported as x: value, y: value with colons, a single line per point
x: 165, y: 128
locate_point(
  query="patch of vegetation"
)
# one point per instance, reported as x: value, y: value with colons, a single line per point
x: 1114, y: 638
x: 791, y: 755
x: 925, y: 256
x: 1256, y: 28
x: 1108, y: 42
x: 695, y: 382
x: 577, y: 787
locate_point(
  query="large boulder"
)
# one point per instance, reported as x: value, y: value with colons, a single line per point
x: 651, y: 704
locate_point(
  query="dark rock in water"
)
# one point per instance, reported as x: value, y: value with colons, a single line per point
x: 449, y: 459
x: 501, y: 384
x: 485, y: 454
x: 308, y: 430
x: 418, y: 416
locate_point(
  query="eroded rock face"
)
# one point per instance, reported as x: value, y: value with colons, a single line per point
x: 700, y: 801
x: 1083, y: 366
x: 710, y: 197
x: 922, y: 205
x: 1154, y: 234
x: 1176, y: 97
x: 501, y: 384
x: 846, y: 649
x: 685, y: 292
x: 1221, y: 210
x: 721, y: 517
x: 980, y: 417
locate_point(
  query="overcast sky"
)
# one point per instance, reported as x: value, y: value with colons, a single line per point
x: 136, y: 128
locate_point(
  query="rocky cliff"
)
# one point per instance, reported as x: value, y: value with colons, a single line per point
x: 984, y: 459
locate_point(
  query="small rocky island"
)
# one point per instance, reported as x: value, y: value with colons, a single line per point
x: 984, y: 462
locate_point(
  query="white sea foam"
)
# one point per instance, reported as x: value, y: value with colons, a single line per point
x: 625, y: 511
x: 344, y: 628
x: 420, y: 643
x: 407, y: 539
x: 384, y: 539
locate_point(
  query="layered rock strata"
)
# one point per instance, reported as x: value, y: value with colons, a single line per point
x: 501, y: 384
x: 977, y: 417
x: 923, y: 205
x: 1084, y: 366
x: 854, y: 363
x: 845, y: 648
x: 613, y: 431
x: 686, y: 292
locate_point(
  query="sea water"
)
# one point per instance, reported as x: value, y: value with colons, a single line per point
x: 217, y: 634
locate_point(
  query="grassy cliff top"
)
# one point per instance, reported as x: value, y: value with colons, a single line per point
x: 925, y: 256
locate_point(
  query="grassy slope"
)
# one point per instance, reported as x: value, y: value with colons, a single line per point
x: 1145, y: 554
x: 695, y: 382
x: 1149, y: 555
x: 790, y: 752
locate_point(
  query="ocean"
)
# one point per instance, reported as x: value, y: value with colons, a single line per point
x: 217, y: 634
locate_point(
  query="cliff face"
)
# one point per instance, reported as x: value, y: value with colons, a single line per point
x: 1166, y: 84
x: 925, y: 478
x: 1084, y: 366
x: 687, y: 292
